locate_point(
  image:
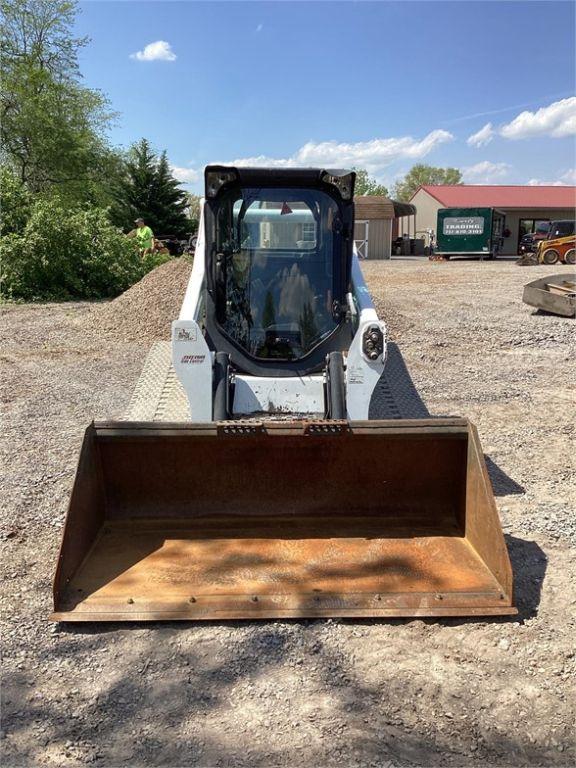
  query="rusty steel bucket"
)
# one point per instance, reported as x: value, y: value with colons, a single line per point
x: 251, y: 521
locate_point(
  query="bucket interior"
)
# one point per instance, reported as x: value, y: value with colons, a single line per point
x: 200, y: 524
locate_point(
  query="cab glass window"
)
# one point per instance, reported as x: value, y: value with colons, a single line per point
x: 278, y: 272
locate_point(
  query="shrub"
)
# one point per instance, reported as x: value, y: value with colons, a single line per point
x: 14, y: 201
x: 63, y: 254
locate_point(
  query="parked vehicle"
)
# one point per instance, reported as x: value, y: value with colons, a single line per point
x: 189, y: 245
x: 559, y: 245
x: 221, y: 517
x: 529, y: 242
x: 175, y: 245
x: 532, y: 231
x: 469, y: 232
x: 560, y: 228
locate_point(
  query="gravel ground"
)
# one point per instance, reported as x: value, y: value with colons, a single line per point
x: 354, y: 693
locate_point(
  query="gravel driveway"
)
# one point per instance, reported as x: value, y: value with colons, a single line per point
x: 299, y: 693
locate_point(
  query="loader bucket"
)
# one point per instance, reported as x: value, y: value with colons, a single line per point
x: 249, y: 521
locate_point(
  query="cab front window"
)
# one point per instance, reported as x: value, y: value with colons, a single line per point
x: 279, y: 274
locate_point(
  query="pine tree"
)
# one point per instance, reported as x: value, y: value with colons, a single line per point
x: 148, y: 190
x: 169, y: 201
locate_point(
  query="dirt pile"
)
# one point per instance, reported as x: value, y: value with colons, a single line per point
x: 527, y: 260
x: 144, y: 312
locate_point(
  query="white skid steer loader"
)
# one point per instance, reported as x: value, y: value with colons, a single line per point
x: 277, y: 318
x: 278, y: 497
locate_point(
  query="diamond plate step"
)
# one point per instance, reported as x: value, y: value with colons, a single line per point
x: 159, y: 396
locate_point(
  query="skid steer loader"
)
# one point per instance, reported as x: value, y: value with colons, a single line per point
x: 279, y: 497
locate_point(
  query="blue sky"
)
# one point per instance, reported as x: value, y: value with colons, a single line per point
x: 380, y: 85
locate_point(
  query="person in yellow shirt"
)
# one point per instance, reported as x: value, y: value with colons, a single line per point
x: 144, y: 236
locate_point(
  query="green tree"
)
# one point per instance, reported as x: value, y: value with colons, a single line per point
x: 193, y: 211
x: 148, y: 189
x: 65, y: 253
x: 420, y: 175
x: 39, y: 31
x: 171, y: 200
x: 366, y: 185
x: 53, y: 129
x: 15, y: 203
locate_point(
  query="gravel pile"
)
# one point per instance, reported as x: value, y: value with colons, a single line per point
x: 144, y: 312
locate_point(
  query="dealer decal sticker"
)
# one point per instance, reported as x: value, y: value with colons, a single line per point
x: 186, y: 334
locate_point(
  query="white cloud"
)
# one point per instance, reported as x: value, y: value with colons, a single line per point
x: 186, y: 175
x: 372, y: 155
x: 566, y: 179
x: 556, y: 120
x: 485, y: 172
x: 157, y: 51
x: 260, y: 161
x: 482, y: 137
x: 541, y: 183
x: 570, y: 176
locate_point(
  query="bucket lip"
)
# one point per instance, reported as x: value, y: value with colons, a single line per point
x: 115, y: 615
x: 431, y: 426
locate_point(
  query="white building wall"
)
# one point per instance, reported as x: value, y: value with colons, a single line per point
x: 426, y: 210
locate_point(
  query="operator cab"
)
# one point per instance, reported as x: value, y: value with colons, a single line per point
x: 278, y: 256
x: 561, y: 228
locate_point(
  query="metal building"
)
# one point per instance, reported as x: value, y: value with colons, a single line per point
x: 527, y: 209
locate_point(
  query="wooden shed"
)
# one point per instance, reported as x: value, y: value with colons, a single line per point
x: 373, y: 226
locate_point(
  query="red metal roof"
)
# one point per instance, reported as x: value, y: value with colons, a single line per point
x: 501, y: 196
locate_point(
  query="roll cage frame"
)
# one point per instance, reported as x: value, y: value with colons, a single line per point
x: 220, y: 182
